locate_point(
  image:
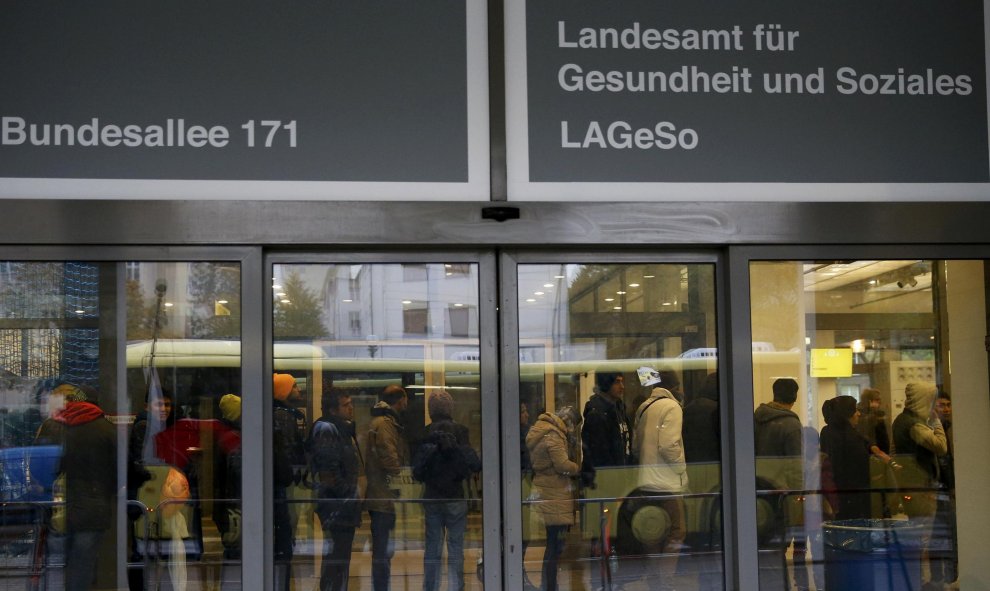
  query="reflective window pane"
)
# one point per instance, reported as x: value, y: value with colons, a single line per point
x: 619, y: 439
x: 377, y: 426
x: 856, y: 406
x: 72, y: 438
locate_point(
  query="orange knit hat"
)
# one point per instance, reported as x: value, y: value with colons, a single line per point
x: 283, y: 385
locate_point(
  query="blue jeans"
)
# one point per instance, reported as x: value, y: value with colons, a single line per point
x: 382, y: 549
x: 448, y: 517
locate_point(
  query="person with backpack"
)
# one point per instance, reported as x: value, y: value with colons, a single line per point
x: 444, y: 460
x: 662, y: 475
x: 336, y: 462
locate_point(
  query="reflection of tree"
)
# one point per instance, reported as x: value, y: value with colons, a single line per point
x: 37, y: 291
x: 591, y: 277
x: 215, y: 290
x: 33, y: 290
x: 299, y: 318
x: 140, y: 313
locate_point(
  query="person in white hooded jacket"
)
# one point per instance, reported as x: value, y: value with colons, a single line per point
x: 663, y: 467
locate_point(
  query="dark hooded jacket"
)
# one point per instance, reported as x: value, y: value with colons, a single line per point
x: 848, y: 455
x: 701, y: 428
x: 445, y: 460
x: 606, y: 434
x: 289, y: 438
x: 778, y: 444
x: 88, y: 443
x: 336, y: 462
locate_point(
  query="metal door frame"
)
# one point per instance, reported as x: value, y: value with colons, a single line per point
x: 249, y: 258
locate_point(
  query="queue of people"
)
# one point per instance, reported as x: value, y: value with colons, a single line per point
x: 866, y: 469
x: 566, y: 450
x: 351, y: 477
x: 353, y: 470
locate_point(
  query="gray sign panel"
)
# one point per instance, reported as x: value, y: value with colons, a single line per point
x: 349, y: 90
x: 768, y: 91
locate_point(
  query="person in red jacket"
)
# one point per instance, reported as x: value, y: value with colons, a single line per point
x: 89, y: 465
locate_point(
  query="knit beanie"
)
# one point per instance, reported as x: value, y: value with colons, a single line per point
x: 441, y: 404
x: 230, y: 407
x: 75, y: 393
x: 283, y: 385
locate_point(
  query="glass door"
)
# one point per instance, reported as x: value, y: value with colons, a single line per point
x: 611, y: 405
x: 120, y: 440
x: 384, y: 447
x: 870, y: 411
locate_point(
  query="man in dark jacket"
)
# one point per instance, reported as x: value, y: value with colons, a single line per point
x: 701, y: 426
x: 778, y: 437
x: 443, y: 462
x: 778, y: 440
x: 337, y: 464
x: 288, y: 458
x: 606, y: 433
x: 88, y: 443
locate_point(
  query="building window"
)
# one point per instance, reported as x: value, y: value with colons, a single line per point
x: 459, y: 320
x: 132, y: 271
x: 414, y: 272
x: 415, y: 320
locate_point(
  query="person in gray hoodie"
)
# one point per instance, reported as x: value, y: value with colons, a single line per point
x: 779, y: 454
x: 919, y: 442
x: 778, y: 437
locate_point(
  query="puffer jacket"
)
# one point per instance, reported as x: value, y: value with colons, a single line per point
x: 385, y: 455
x: 554, y: 470
x: 658, y: 440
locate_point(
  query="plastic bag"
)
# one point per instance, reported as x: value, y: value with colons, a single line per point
x: 175, y: 491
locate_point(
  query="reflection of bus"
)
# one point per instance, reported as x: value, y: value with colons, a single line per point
x: 195, y: 369
x: 210, y: 368
x: 199, y: 372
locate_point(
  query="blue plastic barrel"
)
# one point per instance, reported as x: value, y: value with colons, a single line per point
x: 872, y: 555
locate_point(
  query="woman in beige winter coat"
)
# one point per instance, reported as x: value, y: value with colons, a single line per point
x: 555, y: 456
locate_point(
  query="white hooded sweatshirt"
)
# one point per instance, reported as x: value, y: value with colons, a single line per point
x: 659, y: 444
